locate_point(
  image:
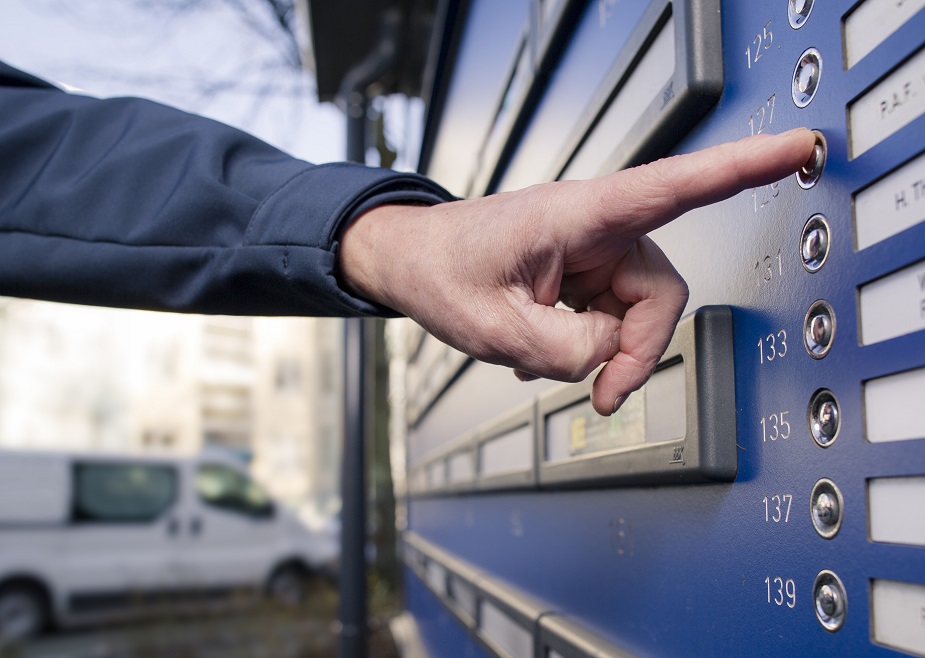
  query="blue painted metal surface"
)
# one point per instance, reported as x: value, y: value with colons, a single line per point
x: 489, y: 44
x: 682, y: 570
x: 441, y: 633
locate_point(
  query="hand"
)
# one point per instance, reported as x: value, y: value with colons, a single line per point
x: 484, y: 275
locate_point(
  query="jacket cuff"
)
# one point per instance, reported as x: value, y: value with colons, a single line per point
x: 337, y: 193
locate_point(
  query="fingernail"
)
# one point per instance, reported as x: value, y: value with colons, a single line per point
x: 794, y: 131
x: 525, y: 376
x: 619, y: 403
x: 615, y: 342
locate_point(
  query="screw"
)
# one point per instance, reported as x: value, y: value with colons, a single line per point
x: 819, y: 329
x: 824, y: 418
x: 827, y: 600
x: 826, y: 506
x: 830, y: 601
x: 828, y: 417
x: 814, y: 243
x: 826, y: 509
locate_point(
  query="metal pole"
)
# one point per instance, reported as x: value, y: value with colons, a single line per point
x: 354, y: 629
x: 355, y: 102
x: 353, y: 483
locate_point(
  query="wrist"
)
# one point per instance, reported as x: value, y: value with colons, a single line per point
x: 372, y: 259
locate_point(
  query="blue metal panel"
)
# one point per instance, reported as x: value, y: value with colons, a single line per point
x: 595, y: 45
x: 689, y: 570
x: 441, y: 633
x: 492, y: 35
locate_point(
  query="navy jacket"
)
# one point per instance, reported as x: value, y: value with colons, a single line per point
x: 125, y: 202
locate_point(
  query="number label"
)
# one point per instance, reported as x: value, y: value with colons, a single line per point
x: 763, y: 196
x: 773, y: 346
x: 761, y: 42
x: 774, y: 427
x: 605, y: 10
x: 766, y: 266
x: 781, y: 591
x: 761, y: 120
x: 777, y: 508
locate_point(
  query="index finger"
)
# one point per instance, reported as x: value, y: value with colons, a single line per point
x: 639, y: 200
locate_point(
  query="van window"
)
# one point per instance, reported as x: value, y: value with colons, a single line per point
x: 225, y: 488
x: 122, y: 493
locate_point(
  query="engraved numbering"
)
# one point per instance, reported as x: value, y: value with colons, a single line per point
x: 777, y: 508
x: 762, y: 196
x: 766, y: 267
x: 781, y: 591
x: 773, y: 346
x: 761, y: 42
x: 761, y: 120
x: 605, y: 10
x: 774, y: 427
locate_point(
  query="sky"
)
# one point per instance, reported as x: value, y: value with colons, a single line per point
x: 229, y: 60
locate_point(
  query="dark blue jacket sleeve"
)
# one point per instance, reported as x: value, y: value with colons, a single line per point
x: 125, y: 202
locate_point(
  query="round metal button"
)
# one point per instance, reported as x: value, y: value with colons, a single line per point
x: 798, y: 11
x: 809, y: 174
x: 824, y: 418
x: 830, y: 601
x: 826, y: 508
x: 814, y: 243
x: 819, y: 329
x: 806, y: 76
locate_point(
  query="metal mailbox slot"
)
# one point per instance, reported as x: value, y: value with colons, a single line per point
x: 681, y: 427
x: 505, y: 451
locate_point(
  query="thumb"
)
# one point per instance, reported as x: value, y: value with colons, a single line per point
x: 564, y: 345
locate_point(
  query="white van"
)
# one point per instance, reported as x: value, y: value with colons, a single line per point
x: 87, y: 538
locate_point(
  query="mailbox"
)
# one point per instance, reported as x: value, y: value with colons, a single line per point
x: 763, y: 493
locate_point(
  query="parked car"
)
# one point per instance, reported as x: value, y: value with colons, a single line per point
x: 88, y: 538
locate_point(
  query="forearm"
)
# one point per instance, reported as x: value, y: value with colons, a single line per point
x: 129, y: 203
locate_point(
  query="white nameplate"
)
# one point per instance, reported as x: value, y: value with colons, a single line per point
x: 896, y: 509
x: 891, y: 104
x: 891, y: 205
x: 892, y: 407
x: 872, y: 22
x: 896, y: 615
x: 894, y: 305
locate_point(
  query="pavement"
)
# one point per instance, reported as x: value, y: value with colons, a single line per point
x: 260, y: 631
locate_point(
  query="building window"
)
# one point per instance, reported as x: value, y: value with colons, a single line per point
x: 158, y: 439
x: 326, y: 373
x: 122, y: 493
x: 288, y: 376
